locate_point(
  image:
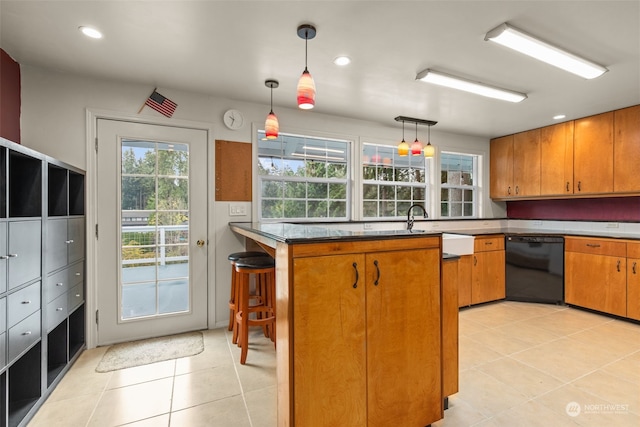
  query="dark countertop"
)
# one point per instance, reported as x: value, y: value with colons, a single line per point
x: 304, y: 233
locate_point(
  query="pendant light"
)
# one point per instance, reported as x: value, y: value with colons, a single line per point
x: 403, y: 147
x: 429, y: 150
x: 306, y: 86
x: 271, y: 125
x: 416, y: 147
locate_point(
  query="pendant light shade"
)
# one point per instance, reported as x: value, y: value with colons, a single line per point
x: 429, y: 150
x: 306, y: 86
x: 416, y: 147
x: 403, y: 147
x: 271, y: 125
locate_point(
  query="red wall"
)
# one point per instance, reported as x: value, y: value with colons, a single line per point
x: 9, y: 98
x: 604, y: 209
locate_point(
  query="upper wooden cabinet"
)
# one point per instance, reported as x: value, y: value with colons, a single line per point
x: 593, y: 154
x: 626, y: 152
x: 556, y: 159
x: 518, y: 157
x: 501, y: 167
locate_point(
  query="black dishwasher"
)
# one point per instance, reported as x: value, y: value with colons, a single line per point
x: 534, y: 268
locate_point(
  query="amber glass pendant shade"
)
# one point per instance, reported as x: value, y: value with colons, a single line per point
x: 403, y: 148
x: 429, y: 150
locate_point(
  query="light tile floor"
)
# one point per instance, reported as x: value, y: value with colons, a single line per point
x: 520, y: 365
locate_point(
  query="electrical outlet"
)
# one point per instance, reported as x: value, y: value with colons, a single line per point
x: 435, y: 225
x: 612, y: 225
x: 537, y: 222
x: 368, y: 226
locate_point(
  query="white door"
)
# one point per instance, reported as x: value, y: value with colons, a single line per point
x: 152, y: 230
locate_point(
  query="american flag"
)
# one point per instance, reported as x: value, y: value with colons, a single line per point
x: 163, y: 105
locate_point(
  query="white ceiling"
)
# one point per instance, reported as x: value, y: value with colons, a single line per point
x: 229, y: 48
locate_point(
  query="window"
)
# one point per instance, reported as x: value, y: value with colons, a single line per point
x: 303, y: 178
x: 459, y: 188
x: 392, y: 183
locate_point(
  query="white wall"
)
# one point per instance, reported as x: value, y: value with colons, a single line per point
x: 53, y: 121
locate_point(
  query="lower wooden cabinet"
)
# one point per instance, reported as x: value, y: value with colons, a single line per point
x: 488, y: 269
x: 633, y: 280
x: 366, y: 336
x: 450, y: 359
x: 596, y: 274
x: 465, y: 265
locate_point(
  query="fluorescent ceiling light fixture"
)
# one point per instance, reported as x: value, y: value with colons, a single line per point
x: 559, y: 116
x: 478, y: 88
x: 91, y: 32
x: 515, y: 39
x: 329, y: 150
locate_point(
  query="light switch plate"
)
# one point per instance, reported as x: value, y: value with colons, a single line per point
x: 237, y: 210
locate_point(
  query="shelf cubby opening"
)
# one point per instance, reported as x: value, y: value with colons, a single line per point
x: 58, y: 190
x: 76, y: 331
x: 25, y: 383
x: 25, y: 186
x: 3, y: 182
x: 76, y: 193
x: 56, y: 352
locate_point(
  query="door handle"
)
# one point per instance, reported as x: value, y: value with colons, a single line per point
x: 200, y: 243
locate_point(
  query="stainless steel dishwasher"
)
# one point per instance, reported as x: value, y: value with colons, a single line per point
x: 534, y: 268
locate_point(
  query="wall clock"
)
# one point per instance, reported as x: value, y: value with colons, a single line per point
x: 233, y: 119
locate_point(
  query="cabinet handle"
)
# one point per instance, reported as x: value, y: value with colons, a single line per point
x: 59, y: 309
x: 593, y: 245
x: 517, y: 189
x: 618, y: 266
x: 567, y: 186
x: 26, y: 333
x: 579, y: 185
x: 509, y: 190
x: 488, y: 243
x: 4, y: 257
x: 78, y: 273
x: 26, y: 302
x: 59, y: 284
x: 68, y: 241
x: 634, y: 267
x: 355, y: 284
x: 378, y: 270
x: 13, y: 255
x: 475, y: 260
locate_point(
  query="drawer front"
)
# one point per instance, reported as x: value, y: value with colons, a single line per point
x: 488, y: 243
x: 22, y: 303
x: 3, y: 350
x: 56, y: 285
x: 56, y: 312
x: 3, y: 315
x: 76, y: 274
x: 25, y: 249
x: 608, y: 247
x: 22, y: 335
x: 76, y: 296
x: 633, y: 250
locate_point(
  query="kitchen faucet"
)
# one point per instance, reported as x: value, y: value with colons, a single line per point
x: 410, y: 219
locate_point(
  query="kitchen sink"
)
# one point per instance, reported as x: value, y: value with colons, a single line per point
x: 458, y: 244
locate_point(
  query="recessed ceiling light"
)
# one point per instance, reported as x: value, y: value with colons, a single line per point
x: 342, y: 60
x: 559, y: 116
x: 90, y: 32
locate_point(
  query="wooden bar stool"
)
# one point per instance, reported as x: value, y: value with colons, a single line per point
x: 263, y: 269
x: 234, y: 278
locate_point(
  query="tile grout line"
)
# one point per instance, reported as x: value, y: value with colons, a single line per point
x: 235, y: 368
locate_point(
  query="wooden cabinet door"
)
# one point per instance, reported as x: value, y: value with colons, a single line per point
x: 598, y: 282
x: 450, y: 364
x: 633, y: 280
x: 556, y: 159
x: 464, y: 280
x: 593, y: 154
x: 501, y: 167
x: 488, y: 275
x: 329, y: 373
x: 526, y: 163
x: 626, y: 151
x: 403, y: 339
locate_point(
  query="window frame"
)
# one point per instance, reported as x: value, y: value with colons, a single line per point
x: 475, y: 187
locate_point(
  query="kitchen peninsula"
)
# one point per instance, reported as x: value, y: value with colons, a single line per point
x: 359, y: 324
